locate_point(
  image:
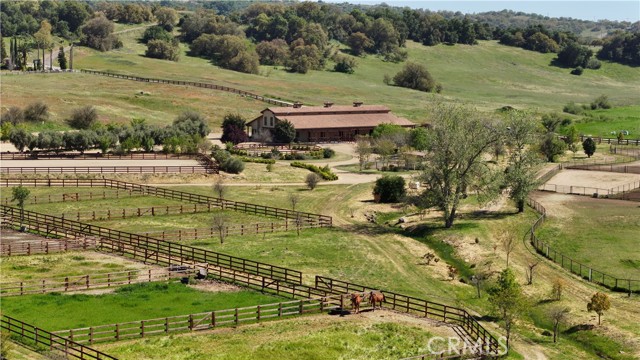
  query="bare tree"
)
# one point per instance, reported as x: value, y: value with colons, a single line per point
x: 558, y: 316
x: 219, y: 188
x: 299, y: 223
x: 479, y: 278
x: 294, y: 199
x: 557, y: 289
x: 312, y: 180
x: 531, y: 265
x: 363, y: 149
x: 219, y: 224
x: 508, y: 241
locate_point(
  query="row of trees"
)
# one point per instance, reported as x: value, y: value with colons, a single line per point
x: 185, y: 135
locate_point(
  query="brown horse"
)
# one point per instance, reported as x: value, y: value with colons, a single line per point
x: 376, y: 298
x: 356, y: 299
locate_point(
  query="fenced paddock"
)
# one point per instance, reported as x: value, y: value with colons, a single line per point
x: 107, y: 170
x: 42, y: 338
x: 75, y: 197
x: 90, y: 281
x: 201, y: 321
x: 45, y: 246
x: 575, y: 267
x: 182, y: 196
x: 146, y: 246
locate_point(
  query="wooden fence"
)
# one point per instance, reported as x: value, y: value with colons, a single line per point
x: 583, y: 271
x: 107, y: 170
x: 150, y: 247
x: 590, y: 191
x: 626, y: 169
x: 90, y: 281
x: 238, y: 230
x: 191, y: 83
x: 93, y: 156
x: 45, y: 246
x: 600, y: 140
x: 200, y: 321
x: 39, y: 337
x: 632, y: 152
x: 74, y: 197
x: 428, y: 309
x: 182, y: 196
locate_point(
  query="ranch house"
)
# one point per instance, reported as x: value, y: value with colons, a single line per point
x: 325, y: 123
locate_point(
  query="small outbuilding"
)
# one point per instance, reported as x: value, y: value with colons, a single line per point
x: 325, y: 123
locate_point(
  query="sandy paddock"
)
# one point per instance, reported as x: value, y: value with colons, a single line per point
x: 590, y: 179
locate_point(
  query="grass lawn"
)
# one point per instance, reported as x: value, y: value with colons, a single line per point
x: 58, y: 208
x: 602, y: 234
x: 603, y: 121
x: 317, y: 337
x: 16, y: 268
x: 56, y: 311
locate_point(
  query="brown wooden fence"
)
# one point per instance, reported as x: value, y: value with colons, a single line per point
x: 40, y: 337
x: 191, y: 83
x: 89, y: 281
x: 151, y: 247
x: 582, y: 270
x: 9, y: 155
x: 238, y: 230
x: 107, y: 170
x: 74, y: 197
x: 45, y: 246
x: 200, y: 321
x: 182, y: 196
x: 428, y: 309
x: 601, y: 140
x: 627, y: 151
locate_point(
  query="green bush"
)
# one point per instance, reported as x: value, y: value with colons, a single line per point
x: 390, y: 189
x: 328, y: 153
x: 257, y: 160
x: 573, y: 108
x: 577, y: 71
x: 232, y: 165
x: 601, y: 102
x: 324, y: 172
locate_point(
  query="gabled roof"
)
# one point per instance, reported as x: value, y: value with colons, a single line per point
x: 337, y: 117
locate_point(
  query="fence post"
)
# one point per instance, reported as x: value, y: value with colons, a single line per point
x: 142, y: 328
x: 117, y: 332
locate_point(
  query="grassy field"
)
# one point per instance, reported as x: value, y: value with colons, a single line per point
x: 17, y: 268
x: 607, y: 241
x: 128, y: 303
x: 603, y: 121
x: 318, y: 337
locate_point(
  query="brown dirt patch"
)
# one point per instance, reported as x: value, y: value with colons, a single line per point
x: 215, y: 286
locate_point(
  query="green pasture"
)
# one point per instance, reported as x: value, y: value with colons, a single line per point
x: 100, y: 205
x: 601, y: 234
x: 319, y: 337
x: 57, y: 311
x: 603, y: 122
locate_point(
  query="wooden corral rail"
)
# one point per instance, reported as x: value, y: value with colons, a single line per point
x: 200, y: 321
x: 600, y: 140
x: 428, y: 309
x: 45, y: 246
x: 107, y: 170
x: 583, y: 271
x: 23, y: 331
x: 191, y: 83
x: 89, y: 281
x: 239, y: 230
x: 74, y: 197
x: 152, y: 247
x: 182, y: 196
x: 632, y: 152
x: 93, y: 156
x: 590, y: 191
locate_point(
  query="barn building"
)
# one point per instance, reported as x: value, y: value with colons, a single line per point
x: 325, y: 123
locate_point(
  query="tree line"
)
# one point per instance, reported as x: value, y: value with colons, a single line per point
x: 187, y: 133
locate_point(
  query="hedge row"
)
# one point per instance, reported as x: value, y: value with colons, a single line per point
x: 324, y: 172
x: 257, y: 160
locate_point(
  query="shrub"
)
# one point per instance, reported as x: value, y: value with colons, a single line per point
x: 83, y: 118
x: 328, y: 153
x: 14, y: 115
x: 601, y: 102
x: 389, y: 189
x: 589, y: 146
x: 232, y: 165
x: 572, y: 108
x: 312, y: 180
x: 156, y: 33
x: 324, y: 172
x: 162, y: 49
x: 284, y: 132
x: 593, y: 63
x: 269, y: 167
x: 257, y: 160
x: 577, y: 71
x: 37, y: 111
x: 415, y: 76
x: 345, y: 64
